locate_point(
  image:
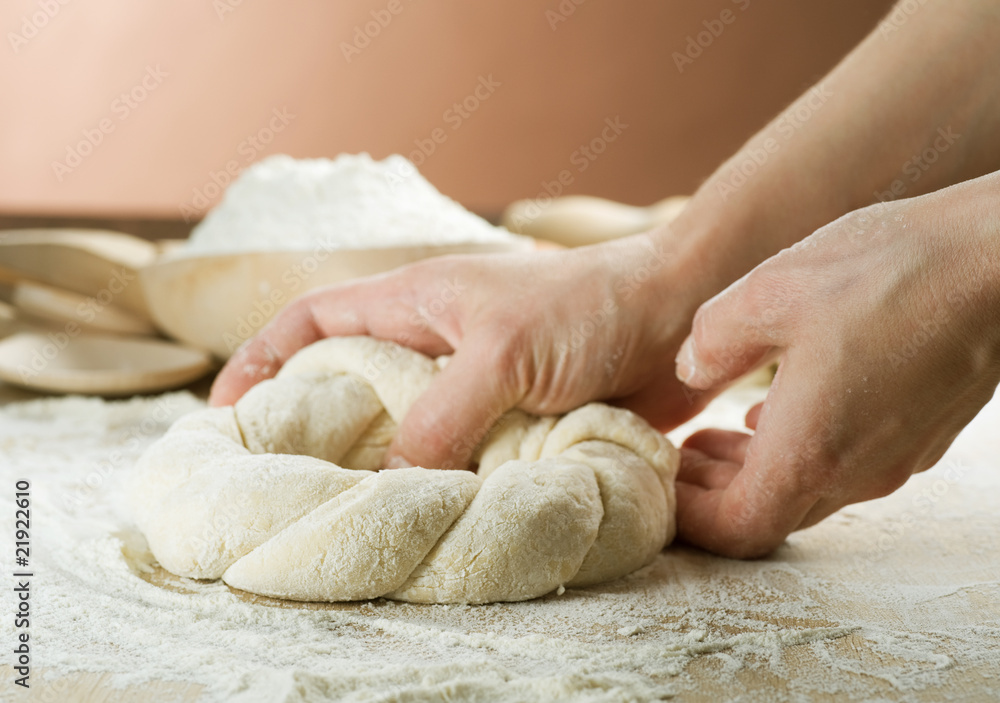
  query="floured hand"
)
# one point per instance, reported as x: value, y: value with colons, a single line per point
x: 887, y: 323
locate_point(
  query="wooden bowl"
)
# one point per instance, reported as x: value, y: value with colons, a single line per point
x: 218, y: 302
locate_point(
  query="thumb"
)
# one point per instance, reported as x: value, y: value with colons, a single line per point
x: 730, y: 335
x: 447, y: 422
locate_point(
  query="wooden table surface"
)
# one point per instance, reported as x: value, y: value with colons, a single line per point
x: 145, y: 227
x: 938, y: 582
x: 936, y: 585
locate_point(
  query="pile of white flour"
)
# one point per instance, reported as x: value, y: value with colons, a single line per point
x: 351, y: 202
x: 892, y: 600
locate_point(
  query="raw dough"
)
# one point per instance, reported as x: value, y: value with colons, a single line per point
x: 280, y: 495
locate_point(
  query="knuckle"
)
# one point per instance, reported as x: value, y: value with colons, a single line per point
x: 765, y: 298
x: 425, y: 273
x: 505, y: 352
x: 755, y: 289
x: 701, y: 329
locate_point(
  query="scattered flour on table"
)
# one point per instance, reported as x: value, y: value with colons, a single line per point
x: 351, y: 202
x: 862, y: 618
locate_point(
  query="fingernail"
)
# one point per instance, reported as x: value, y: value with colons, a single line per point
x: 398, y: 462
x: 686, y: 364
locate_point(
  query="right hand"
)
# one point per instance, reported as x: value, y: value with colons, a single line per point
x: 887, y: 325
x: 542, y: 331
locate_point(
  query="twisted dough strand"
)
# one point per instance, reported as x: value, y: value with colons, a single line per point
x: 280, y: 495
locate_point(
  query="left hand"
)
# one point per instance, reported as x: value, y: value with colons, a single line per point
x: 887, y: 324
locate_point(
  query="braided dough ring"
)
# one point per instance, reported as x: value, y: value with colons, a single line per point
x: 281, y: 494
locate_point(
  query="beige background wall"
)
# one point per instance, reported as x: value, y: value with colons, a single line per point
x: 216, y: 72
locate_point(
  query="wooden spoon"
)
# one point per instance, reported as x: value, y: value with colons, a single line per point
x: 579, y: 220
x: 91, y: 314
x: 97, y: 364
x: 89, y: 262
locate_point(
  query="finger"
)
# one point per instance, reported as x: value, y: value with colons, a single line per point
x: 445, y: 425
x: 730, y: 335
x: 715, y: 519
x: 720, y: 444
x: 262, y: 356
x: 373, y: 307
x: 666, y: 403
x: 702, y: 470
x: 753, y: 416
x: 771, y: 495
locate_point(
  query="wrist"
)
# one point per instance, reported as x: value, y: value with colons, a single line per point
x: 983, y: 249
x: 958, y: 234
x: 719, y: 238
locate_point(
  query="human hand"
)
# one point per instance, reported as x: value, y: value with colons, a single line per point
x: 887, y: 322
x: 543, y: 331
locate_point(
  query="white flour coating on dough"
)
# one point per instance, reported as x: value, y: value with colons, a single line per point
x: 351, y: 202
x: 277, y: 496
x: 687, y: 622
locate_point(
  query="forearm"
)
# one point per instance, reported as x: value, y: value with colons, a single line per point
x: 912, y: 109
x: 970, y: 223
